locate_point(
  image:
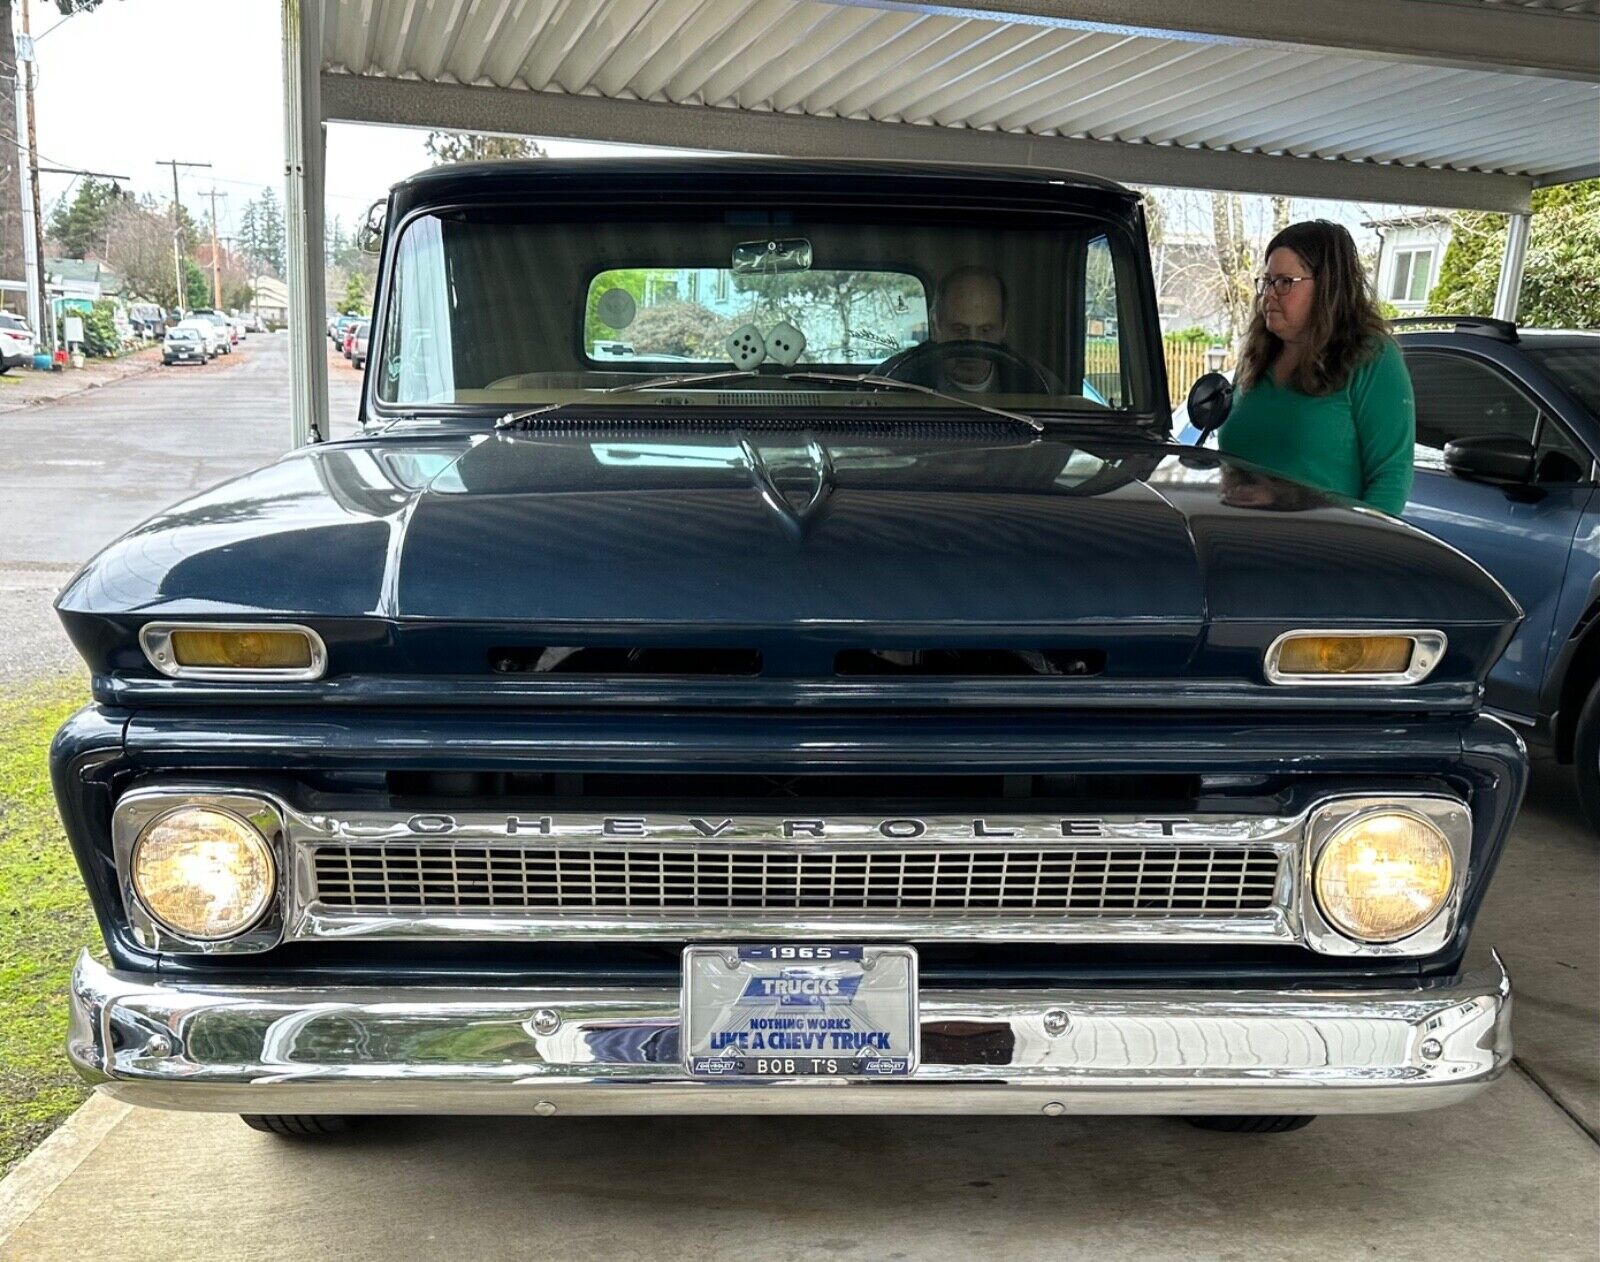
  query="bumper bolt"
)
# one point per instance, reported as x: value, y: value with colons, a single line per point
x: 1432, y: 1049
x: 544, y: 1108
x: 1054, y: 1109
x: 157, y: 1046
x: 545, y: 1021
x: 1056, y: 1022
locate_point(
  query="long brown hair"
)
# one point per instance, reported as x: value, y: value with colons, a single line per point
x: 1345, y: 326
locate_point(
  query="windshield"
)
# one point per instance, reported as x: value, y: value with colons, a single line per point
x: 1575, y: 367
x: 500, y: 308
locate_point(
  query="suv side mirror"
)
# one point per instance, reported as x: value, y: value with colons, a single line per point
x: 1502, y: 459
x: 1210, y: 400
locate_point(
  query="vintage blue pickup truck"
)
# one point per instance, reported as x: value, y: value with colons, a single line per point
x: 763, y: 654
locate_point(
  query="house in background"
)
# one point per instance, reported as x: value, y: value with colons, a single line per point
x: 1410, y: 251
x: 271, y: 301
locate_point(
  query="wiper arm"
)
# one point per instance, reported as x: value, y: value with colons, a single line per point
x: 894, y: 383
x: 512, y: 419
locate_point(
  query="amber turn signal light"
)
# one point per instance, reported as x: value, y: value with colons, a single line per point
x: 1345, y: 655
x: 243, y: 650
x: 222, y: 652
x: 1357, y: 657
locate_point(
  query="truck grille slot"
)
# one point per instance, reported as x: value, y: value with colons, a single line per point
x: 458, y: 879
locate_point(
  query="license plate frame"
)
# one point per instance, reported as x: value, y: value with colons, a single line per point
x: 833, y: 1011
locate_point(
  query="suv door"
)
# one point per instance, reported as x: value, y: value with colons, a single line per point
x: 1522, y: 535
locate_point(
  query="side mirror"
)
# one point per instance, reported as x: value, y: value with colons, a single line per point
x: 369, y: 236
x: 1498, y: 458
x: 1210, y: 400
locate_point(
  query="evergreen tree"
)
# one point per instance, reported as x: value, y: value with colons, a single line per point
x: 355, y: 297
x: 1561, y: 282
x: 269, y: 219
x: 80, y: 226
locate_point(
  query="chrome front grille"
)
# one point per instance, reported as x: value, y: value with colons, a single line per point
x: 453, y: 879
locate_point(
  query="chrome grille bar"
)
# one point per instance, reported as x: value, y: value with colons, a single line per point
x: 482, y: 880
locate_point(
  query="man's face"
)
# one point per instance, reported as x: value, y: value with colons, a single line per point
x: 970, y: 309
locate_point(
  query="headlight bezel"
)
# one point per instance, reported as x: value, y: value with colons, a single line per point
x: 1428, y: 648
x: 134, y: 814
x: 155, y: 639
x: 1450, y: 816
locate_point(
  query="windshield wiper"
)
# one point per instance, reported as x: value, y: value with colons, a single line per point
x: 894, y: 383
x: 512, y: 419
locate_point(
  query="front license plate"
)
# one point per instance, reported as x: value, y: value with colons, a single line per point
x: 799, y: 1011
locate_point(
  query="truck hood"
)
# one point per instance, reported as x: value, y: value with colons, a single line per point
x: 948, y: 529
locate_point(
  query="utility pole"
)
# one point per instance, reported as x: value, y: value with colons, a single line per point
x: 46, y: 316
x: 216, y: 262
x: 177, y: 248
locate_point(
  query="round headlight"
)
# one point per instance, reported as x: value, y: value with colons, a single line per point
x: 203, y: 873
x: 1383, y: 876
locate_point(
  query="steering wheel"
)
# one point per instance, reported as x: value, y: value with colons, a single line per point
x: 925, y: 364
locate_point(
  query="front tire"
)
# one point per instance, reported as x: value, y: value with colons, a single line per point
x: 1266, y: 1124
x: 1586, y: 758
x: 297, y: 1125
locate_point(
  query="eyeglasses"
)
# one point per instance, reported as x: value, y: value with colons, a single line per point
x: 1279, y: 285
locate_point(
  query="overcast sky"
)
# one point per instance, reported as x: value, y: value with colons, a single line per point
x: 136, y: 81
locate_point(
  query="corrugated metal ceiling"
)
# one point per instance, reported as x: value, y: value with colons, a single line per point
x: 938, y: 70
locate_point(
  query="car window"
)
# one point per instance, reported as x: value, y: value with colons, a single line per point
x: 1575, y: 367
x: 517, y: 304
x: 1459, y: 397
x: 1559, y: 458
x: 684, y: 314
x: 1102, y: 349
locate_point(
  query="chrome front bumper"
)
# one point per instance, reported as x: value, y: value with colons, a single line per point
x: 507, y: 1050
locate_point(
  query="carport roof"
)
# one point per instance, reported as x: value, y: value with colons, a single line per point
x: 1461, y: 103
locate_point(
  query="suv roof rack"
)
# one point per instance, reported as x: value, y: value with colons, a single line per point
x: 1505, y: 330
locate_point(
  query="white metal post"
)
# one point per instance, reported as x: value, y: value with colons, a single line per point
x: 1509, y: 291
x: 305, y: 149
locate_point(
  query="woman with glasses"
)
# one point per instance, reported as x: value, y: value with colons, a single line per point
x: 1322, y: 393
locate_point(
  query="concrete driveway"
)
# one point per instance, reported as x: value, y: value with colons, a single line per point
x: 1515, y: 1173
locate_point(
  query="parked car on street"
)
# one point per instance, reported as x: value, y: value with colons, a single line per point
x: 340, y: 328
x: 16, y: 342
x: 347, y: 344
x: 226, y: 334
x: 799, y: 730
x: 1508, y: 448
x: 240, y: 327
x: 358, y: 344
x: 184, y: 344
x: 213, y: 336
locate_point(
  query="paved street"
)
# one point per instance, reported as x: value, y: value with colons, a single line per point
x: 79, y: 472
x: 1514, y: 1173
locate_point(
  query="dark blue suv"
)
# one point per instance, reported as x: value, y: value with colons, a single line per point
x: 1508, y: 436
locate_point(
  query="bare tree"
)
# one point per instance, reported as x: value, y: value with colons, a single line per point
x: 1234, y: 259
x: 1282, y: 214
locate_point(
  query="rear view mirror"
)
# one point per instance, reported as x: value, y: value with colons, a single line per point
x: 1210, y: 400
x: 1502, y: 459
x: 783, y: 254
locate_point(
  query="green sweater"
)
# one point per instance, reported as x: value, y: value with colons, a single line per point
x: 1356, y: 441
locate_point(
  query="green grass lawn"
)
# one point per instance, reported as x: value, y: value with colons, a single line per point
x: 44, y: 919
